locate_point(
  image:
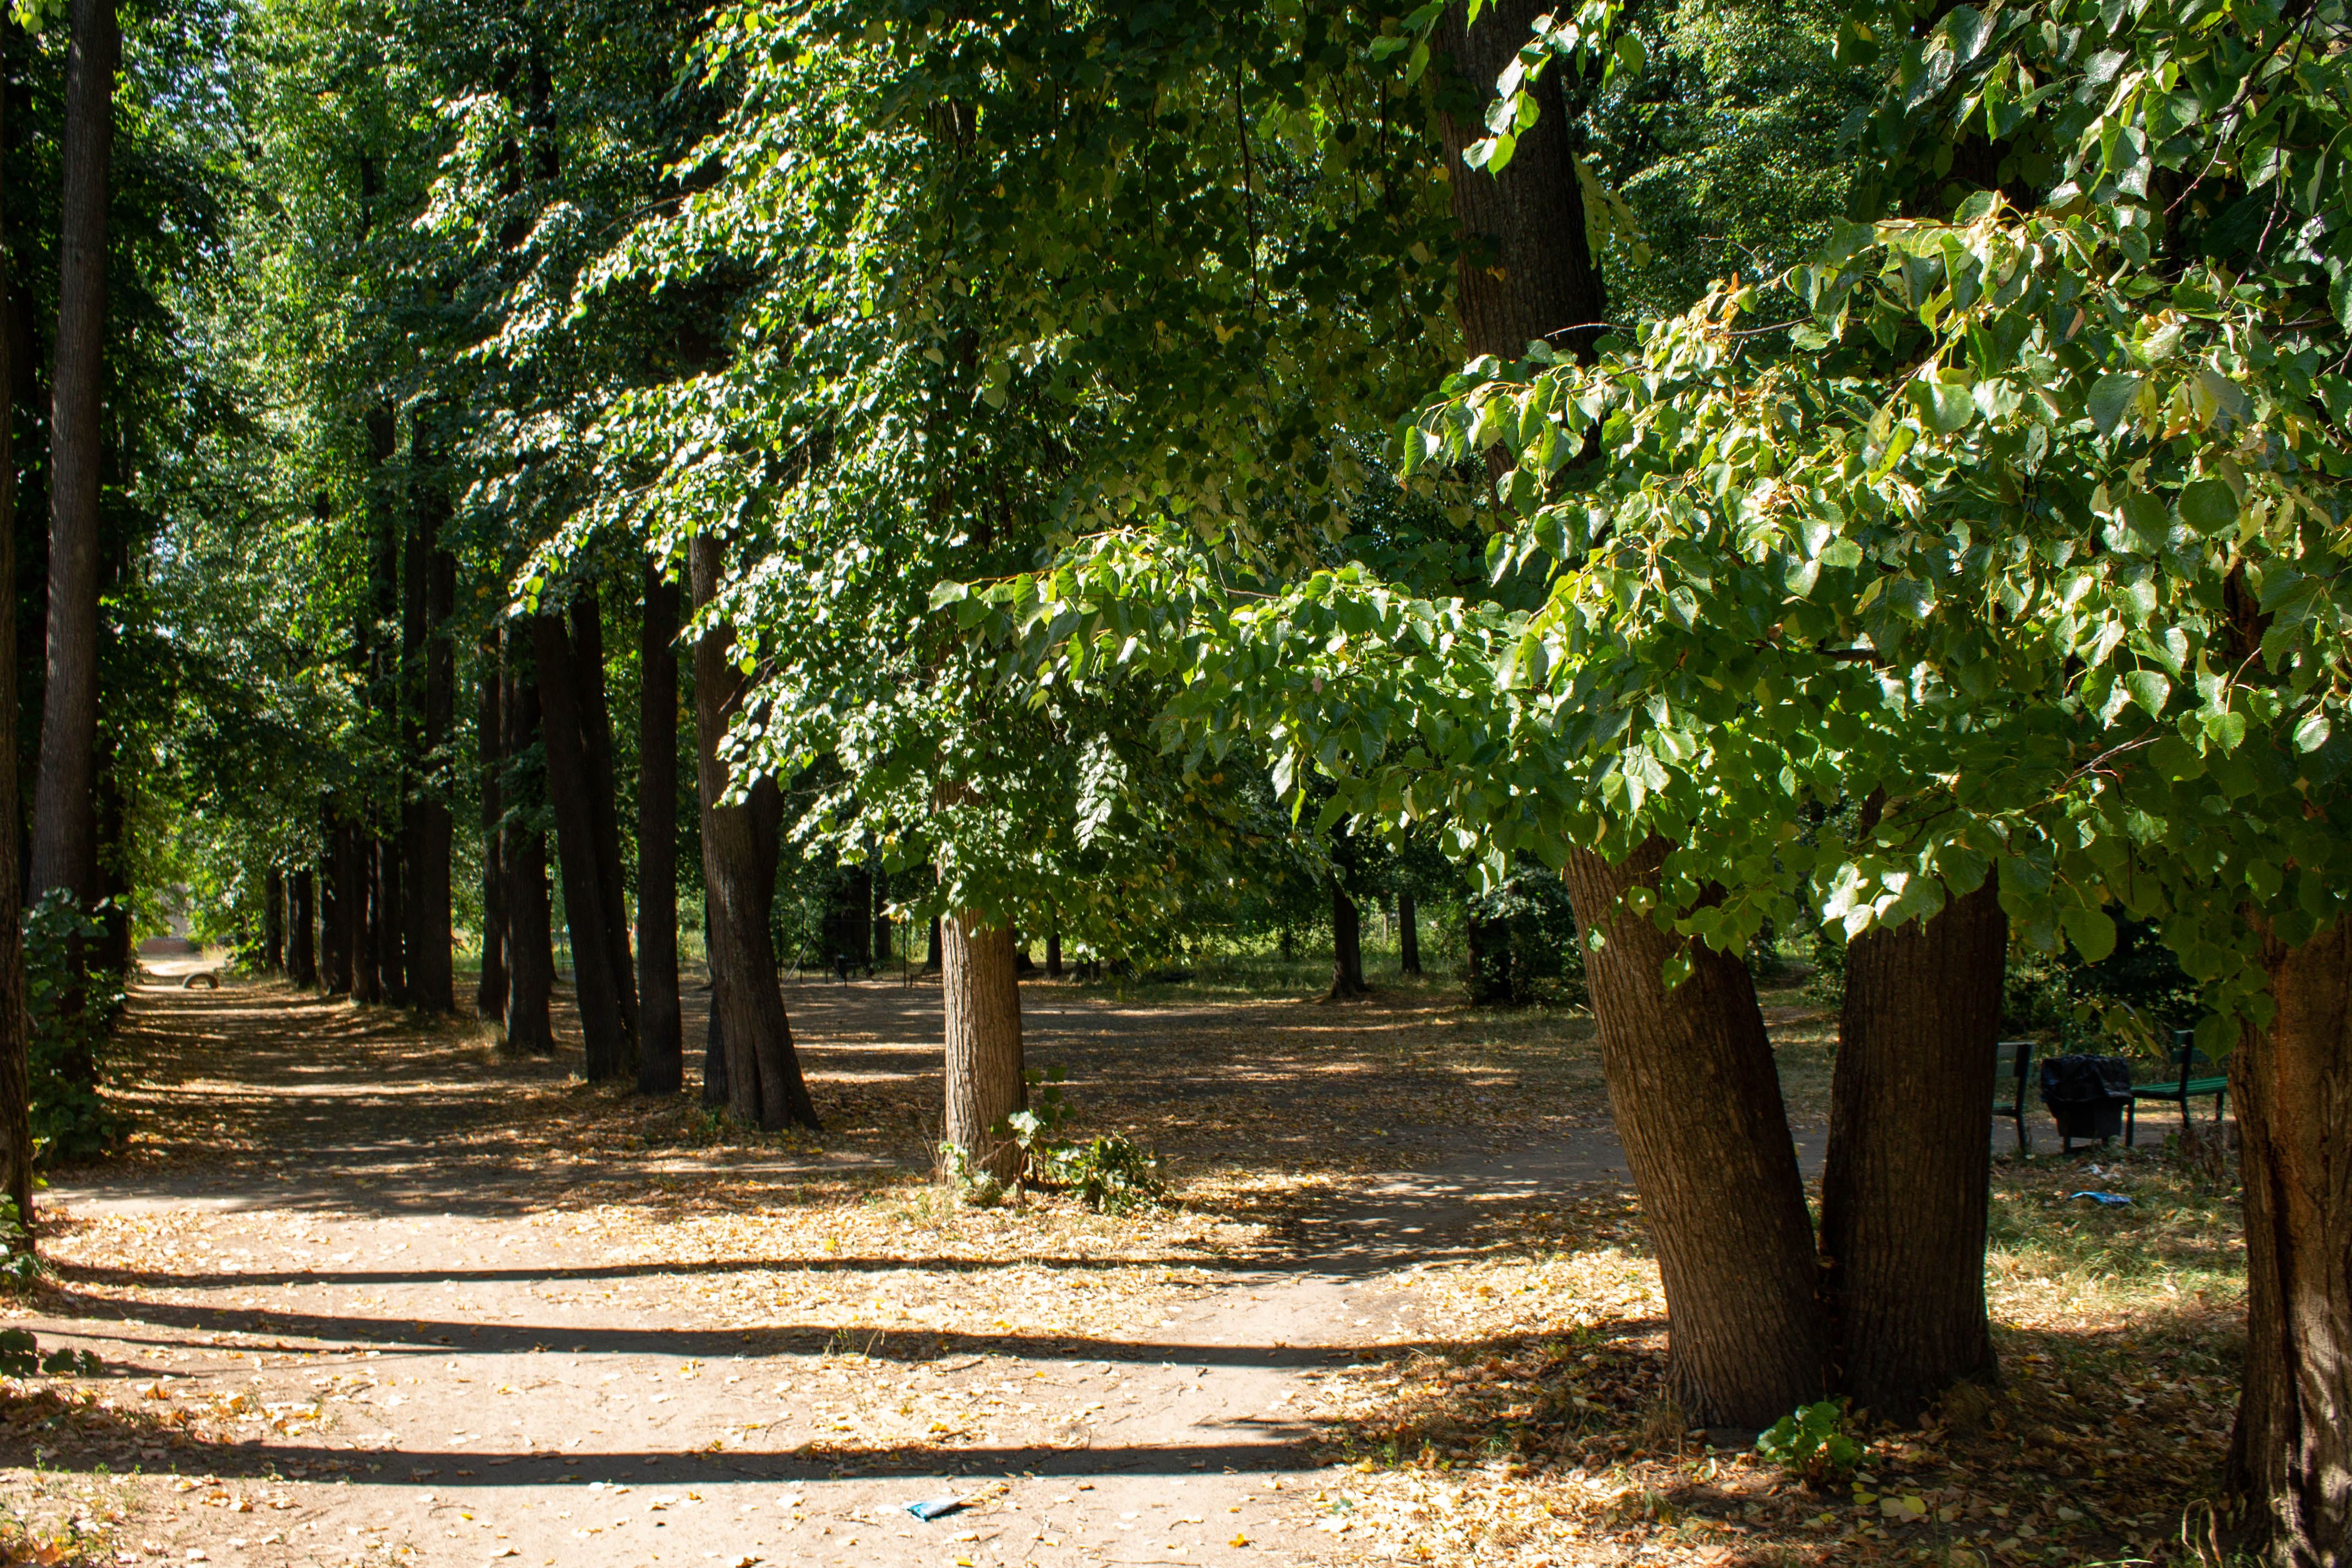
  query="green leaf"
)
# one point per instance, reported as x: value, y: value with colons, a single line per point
x: 947, y: 592
x: 2091, y: 931
x: 2313, y: 733
x: 1945, y: 406
x: 2111, y: 399
x: 2209, y: 506
x: 2339, y: 295
x: 2149, y: 689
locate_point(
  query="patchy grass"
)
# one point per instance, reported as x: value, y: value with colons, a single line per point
x: 1536, y: 1428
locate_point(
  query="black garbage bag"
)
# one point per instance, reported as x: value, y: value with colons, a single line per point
x: 2086, y: 1096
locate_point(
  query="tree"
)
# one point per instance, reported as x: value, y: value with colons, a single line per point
x: 63, y: 852
x: 661, y: 1048
x: 16, y: 1080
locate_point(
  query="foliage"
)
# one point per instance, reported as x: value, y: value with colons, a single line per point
x: 69, y: 1019
x: 1814, y: 1441
x: 20, y: 1264
x: 20, y: 1357
x: 1107, y: 1174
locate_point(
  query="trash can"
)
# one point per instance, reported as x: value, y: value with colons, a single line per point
x: 2086, y: 1096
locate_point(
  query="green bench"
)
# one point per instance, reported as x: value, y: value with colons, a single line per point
x: 2184, y: 1086
x: 2013, y: 1070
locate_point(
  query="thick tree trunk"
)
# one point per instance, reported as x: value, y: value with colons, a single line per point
x: 984, y: 1077
x: 661, y: 1045
x: 1903, y: 1197
x: 611, y: 1051
x: 384, y: 934
x: 764, y: 1086
x: 1347, y: 945
x: 1698, y: 1103
x: 530, y: 941
x: 1408, y: 936
x: 2291, y: 1459
x: 587, y: 625
x: 15, y: 1075
x: 273, y: 917
x: 64, y: 834
x: 489, y: 748
x: 301, y: 955
x: 714, y: 1035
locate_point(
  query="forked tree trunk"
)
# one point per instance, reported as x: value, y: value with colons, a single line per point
x: 2290, y: 1457
x: 273, y: 913
x: 1408, y: 936
x: 982, y: 995
x: 1347, y: 945
x: 1903, y: 1197
x: 764, y: 1087
x: 490, y: 746
x: 63, y: 842
x: 1697, y: 1104
x: 301, y: 955
x: 661, y: 1044
x: 610, y: 1052
x: 530, y: 940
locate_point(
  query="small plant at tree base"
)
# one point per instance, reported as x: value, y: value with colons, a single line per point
x: 20, y: 1265
x: 1110, y: 1173
x: 976, y: 1186
x: 1813, y: 1442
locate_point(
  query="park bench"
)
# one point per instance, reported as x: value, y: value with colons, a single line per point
x: 2183, y: 1086
x: 2013, y: 1070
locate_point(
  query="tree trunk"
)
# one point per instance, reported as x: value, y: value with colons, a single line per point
x: 984, y: 1081
x: 2292, y: 1453
x: 1698, y: 1103
x: 1903, y: 1197
x: 933, y: 957
x: 610, y: 1052
x: 427, y: 602
x: 490, y: 746
x: 661, y: 1045
x: 273, y: 916
x: 360, y: 909
x: 1347, y: 945
x: 1408, y: 936
x: 603, y: 804
x: 1054, y: 950
x: 848, y: 928
x: 714, y: 1036
x: 302, y: 956
x: 64, y: 834
x: 334, y: 917
x: 15, y: 1069
x: 530, y: 941
x: 764, y: 1086
x: 881, y: 904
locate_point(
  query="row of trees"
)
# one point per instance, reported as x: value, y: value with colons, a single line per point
x: 1027, y: 430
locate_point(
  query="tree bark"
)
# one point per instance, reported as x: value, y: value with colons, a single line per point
x: 334, y: 922
x: 714, y: 1036
x: 764, y: 1086
x: 530, y: 941
x: 1698, y: 1103
x: 273, y: 917
x: 1408, y: 936
x: 428, y: 600
x: 610, y: 1052
x: 64, y: 833
x: 1904, y: 1198
x: 2290, y: 1457
x: 490, y: 747
x: 661, y: 1047
x: 1054, y: 950
x: 1347, y: 945
x: 984, y: 1077
x: 353, y: 885
x: 16, y: 1068
x: 302, y: 956
x: 587, y: 624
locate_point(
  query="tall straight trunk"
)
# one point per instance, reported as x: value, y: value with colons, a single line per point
x: 848, y: 928
x: 604, y: 802
x: 64, y: 835
x: 301, y: 955
x: 381, y: 976
x: 489, y: 750
x: 661, y: 1043
x: 334, y: 960
x: 1054, y: 949
x: 1408, y: 935
x: 1903, y: 1197
x: 982, y: 995
x: 881, y: 892
x: 358, y: 875
x: 384, y: 934
x: 932, y: 956
x: 2290, y: 1457
x: 611, y: 1053
x: 15, y: 1075
x: 1347, y: 945
x: 714, y: 1034
x: 764, y: 1086
x: 1698, y: 1103
x: 428, y: 595
x: 273, y: 919
x: 530, y: 939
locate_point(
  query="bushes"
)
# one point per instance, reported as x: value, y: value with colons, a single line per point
x: 69, y: 1020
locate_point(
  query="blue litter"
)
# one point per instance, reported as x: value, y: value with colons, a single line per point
x: 937, y: 1507
x: 2110, y: 1198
